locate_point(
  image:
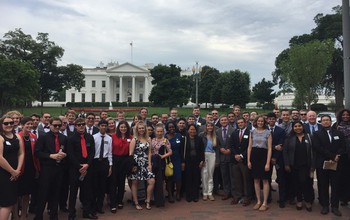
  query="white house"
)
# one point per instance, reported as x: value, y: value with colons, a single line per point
x: 114, y: 83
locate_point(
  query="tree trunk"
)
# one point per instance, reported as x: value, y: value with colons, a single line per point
x: 339, y: 92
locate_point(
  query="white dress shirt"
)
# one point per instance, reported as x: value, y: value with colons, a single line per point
x: 107, y: 150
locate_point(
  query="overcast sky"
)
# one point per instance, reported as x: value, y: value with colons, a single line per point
x: 225, y: 34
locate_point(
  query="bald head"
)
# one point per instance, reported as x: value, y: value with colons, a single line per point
x: 311, y: 117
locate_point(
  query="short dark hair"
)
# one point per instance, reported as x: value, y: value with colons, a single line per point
x: 102, y: 122
x: 90, y: 113
x: 52, y: 119
x: 24, y: 120
x: 271, y: 115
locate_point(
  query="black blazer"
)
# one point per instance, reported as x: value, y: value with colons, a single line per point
x: 278, y: 138
x: 239, y: 147
x: 95, y: 130
x: 324, y: 149
x: 307, y: 127
x: 74, y: 150
x: 199, y: 149
x: 46, y: 146
x: 289, y: 150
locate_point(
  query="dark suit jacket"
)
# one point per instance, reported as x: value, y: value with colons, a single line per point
x: 199, y: 149
x: 289, y: 150
x: 307, y: 127
x: 324, y: 149
x: 95, y: 130
x: 201, y: 120
x: 46, y: 146
x: 74, y: 150
x: 239, y: 147
x: 224, y: 144
x: 278, y: 138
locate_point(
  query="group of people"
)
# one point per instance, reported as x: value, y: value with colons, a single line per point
x: 45, y: 161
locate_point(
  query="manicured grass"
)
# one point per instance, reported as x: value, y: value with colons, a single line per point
x: 182, y: 112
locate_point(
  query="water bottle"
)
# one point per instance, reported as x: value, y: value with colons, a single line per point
x: 60, y: 151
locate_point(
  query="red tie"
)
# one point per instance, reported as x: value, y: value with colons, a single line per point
x: 240, y: 135
x: 57, y: 143
x: 83, y: 146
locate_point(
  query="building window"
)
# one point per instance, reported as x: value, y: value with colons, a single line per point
x: 72, y: 97
x: 82, y: 97
x: 117, y: 84
x: 129, y: 84
x: 117, y: 96
x: 103, y: 83
x: 103, y: 97
x: 141, y: 98
x: 129, y: 99
x: 141, y: 85
x: 93, y: 97
x: 93, y: 83
x: 84, y: 83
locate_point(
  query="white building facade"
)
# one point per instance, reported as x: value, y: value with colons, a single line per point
x: 115, y: 83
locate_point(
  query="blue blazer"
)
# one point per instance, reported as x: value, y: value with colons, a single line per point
x: 307, y: 127
x: 278, y: 138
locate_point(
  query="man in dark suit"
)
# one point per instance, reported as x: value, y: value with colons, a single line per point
x: 238, y: 143
x: 328, y: 145
x: 196, y: 112
x: 90, y: 121
x: 216, y: 118
x: 312, y: 126
x: 224, y: 134
x: 44, y: 125
x: 50, y: 149
x: 81, y: 152
x: 278, y: 136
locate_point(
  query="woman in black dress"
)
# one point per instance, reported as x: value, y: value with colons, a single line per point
x: 30, y: 167
x: 11, y: 161
x: 297, y: 155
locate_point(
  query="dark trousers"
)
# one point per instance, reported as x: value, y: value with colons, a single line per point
x: 64, y: 187
x: 85, y: 192
x: 49, y: 187
x: 282, y: 182
x: 242, y: 180
x: 217, y: 179
x: 227, y: 177
x: 159, y: 183
x: 192, y: 175
x: 99, y: 172
x: 302, y: 184
x: 119, y: 173
x: 324, y: 179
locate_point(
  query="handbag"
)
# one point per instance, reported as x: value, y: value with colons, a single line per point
x: 169, y: 167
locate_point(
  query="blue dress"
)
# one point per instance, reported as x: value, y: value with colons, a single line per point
x: 176, y: 145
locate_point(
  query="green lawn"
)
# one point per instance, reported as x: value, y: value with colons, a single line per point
x: 182, y: 112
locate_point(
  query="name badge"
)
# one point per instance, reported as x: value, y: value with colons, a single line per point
x: 245, y: 136
x: 336, y: 137
x: 199, y: 124
x: 8, y: 143
x: 177, y: 141
x: 106, y: 142
x: 128, y: 140
x: 32, y: 139
x: 306, y: 141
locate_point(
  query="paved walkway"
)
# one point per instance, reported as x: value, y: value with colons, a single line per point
x: 210, y: 210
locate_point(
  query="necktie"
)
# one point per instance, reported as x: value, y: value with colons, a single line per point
x: 102, y: 147
x: 225, y: 133
x: 313, y: 129
x: 271, y: 131
x: 83, y: 146
x: 240, y: 135
x: 90, y: 130
x: 57, y: 143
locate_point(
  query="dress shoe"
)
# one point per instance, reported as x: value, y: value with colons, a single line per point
x: 114, y: 210
x: 282, y: 205
x: 205, y: 198
x: 234, y: 201
x: 211, y: 198
x: 324, y: 210
x: 90, y: 216
x: 299, y: 206
x: 120, y: 206
x: 336, y: 211
x: 225, y: 197
x: 195, y: 200
x: 246, y: 202
x: 100, y: 211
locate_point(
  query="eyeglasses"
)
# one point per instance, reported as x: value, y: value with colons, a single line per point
x: 302, y: 114
x: 8, y: 123
x: 57, y: 125
x: 79, y: 125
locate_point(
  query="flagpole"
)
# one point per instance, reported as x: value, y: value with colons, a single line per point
x: 131, y: 45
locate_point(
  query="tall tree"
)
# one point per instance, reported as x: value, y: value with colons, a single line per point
x: 306, y: 67
x: 18, y: 83
x: 170, y: 88
x: 208, y: 77
x: 44, y: 55
x: 263, y: 92
x: 327, y: 27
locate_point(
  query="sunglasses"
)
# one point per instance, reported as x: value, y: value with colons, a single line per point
x: 302, y: 114
x: 79, y: 125
x: 8, y: 123
x: 57, y: 125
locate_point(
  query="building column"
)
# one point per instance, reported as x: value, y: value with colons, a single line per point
x: 133, y: 97
x: 121, y: 89
x: 109, y: 94
x: 146, y: 90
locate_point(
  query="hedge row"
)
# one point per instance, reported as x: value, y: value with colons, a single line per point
x: 106, y: 104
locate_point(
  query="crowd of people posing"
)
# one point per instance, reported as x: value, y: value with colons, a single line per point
x: 45, y: 161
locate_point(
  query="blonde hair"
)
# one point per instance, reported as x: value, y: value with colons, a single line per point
x: 14, y: 112
x: 136, y: 133
x: 213, y: 133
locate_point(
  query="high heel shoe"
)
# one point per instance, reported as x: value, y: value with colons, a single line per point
x: 138, y: 207
x: 148, y: 206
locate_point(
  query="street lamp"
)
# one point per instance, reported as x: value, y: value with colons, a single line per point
x: 196, y: 76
